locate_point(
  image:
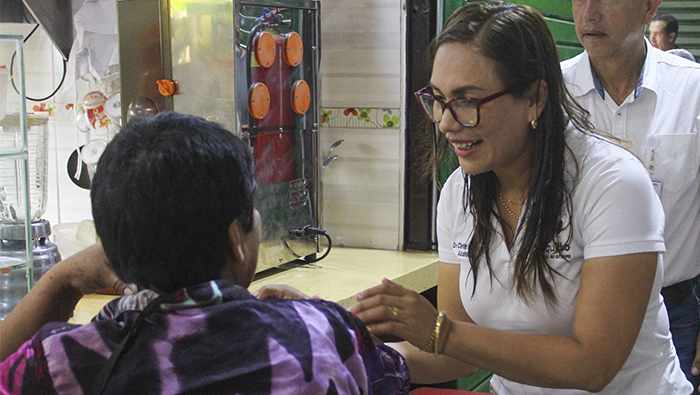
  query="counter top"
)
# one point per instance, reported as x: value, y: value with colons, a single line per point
x: 347, y: 271
x: 338, y: 277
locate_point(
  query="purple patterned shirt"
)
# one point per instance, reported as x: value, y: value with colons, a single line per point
x: 213, y: 338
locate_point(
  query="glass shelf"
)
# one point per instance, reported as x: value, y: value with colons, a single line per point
x: 13, y: 153
x: 16, y: 258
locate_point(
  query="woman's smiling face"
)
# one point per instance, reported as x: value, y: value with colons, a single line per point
x: 502, y: 141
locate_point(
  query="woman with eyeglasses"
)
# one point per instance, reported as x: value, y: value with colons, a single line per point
x: 549, y: 236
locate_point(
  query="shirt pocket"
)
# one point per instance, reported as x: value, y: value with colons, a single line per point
x: 676, y: 160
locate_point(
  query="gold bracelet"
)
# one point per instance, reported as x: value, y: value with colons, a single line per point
x: 433, y: 343
x: 429, y: 346
x: 442, y: 316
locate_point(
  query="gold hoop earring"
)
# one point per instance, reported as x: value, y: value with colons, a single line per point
x: 533, y: 124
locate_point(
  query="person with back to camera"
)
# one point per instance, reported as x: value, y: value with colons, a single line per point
x: 663, y: 31
x: 173, y: 204
x: 651, y: 99
x: 549, y: 236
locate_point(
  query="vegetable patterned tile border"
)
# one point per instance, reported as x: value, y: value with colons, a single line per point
x: 351, y: 118
x: 361, y: 118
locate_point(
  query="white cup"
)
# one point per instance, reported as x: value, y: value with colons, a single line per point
x: 113, y: 109
x: 92, y: 151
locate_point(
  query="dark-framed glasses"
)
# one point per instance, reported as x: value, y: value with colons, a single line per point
x: 464, y: 110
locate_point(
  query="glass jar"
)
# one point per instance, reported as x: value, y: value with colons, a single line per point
x: 10, y: 183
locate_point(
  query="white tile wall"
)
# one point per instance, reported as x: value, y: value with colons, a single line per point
x: 361, y: 188
x: 361, y: 53
x: 362, y: 67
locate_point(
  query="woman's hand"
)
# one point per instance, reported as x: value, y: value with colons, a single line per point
x: 280, y: 292
x: 392, y: 311
x: 87, y: 272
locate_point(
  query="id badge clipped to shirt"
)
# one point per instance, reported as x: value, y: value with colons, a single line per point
x: 652, y: 143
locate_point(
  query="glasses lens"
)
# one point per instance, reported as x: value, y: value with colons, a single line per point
x: 431, y: 107
x: 465, y: 112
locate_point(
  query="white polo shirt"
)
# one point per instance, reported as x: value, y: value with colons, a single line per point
x: 661, y: 119
x: 614, y: 211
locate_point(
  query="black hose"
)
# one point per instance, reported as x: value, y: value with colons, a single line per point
x: 310, y: 230
x: 12, y: 76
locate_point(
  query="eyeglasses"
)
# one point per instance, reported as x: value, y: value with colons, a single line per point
x: 464, y: 110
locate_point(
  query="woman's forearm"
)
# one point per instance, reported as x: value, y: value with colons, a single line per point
x: 48, y: 301
x: 540, y: 360
x: 427, y: 368
x: 56, y: 294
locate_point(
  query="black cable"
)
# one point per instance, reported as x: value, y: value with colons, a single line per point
x: 310, y: 230
x: 12, y: 74
x: 100, y: 383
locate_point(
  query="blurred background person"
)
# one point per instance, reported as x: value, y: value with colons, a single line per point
x: 663, y: 31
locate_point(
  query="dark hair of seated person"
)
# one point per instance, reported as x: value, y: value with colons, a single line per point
x: 162, y: 209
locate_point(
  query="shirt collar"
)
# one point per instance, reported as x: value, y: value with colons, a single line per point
x: 201, y: 295
x: 640, y: 81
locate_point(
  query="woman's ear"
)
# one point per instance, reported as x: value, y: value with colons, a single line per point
x: 538, y: 98
x: 235, y: 239
x: 242, y: 257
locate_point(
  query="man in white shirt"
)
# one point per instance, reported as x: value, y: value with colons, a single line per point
x: 651, y: 99
x: 663, y: 31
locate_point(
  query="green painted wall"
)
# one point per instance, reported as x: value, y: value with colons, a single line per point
x: 558, y: 15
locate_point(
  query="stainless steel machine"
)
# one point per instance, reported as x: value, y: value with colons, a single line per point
x: 253, y: 67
